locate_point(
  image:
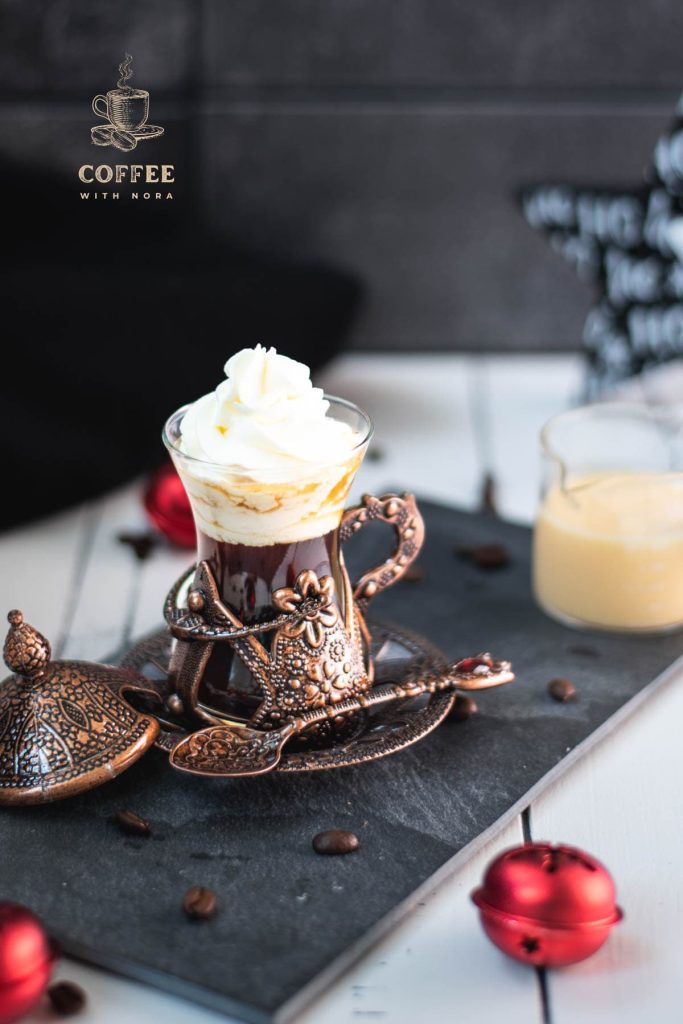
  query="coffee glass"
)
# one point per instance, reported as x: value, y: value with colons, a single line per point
x: 272, y: 539
x: 126, y: 109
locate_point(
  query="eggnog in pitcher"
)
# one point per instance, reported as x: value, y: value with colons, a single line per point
x: 608, y: 550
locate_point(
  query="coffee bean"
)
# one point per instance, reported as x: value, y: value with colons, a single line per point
x: 463, y: 708
x: 66, y: 998
x: 101, y: 134
x: 200, y: 903
x: 123, y: 140
x: 486, y: 556
x: 132, y: 824
x: 375, y: 454
x: 335, y: 841
x: 414, y: 574
x: 562, y: 690
x: 142, y: 544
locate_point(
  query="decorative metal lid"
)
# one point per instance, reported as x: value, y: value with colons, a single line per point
x: 63, y: 729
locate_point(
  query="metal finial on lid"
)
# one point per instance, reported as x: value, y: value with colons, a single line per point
x: 63, y: 726
x: 26, y: 651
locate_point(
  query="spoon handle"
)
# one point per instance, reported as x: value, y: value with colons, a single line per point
x: 229, y: 750
x: 476, y: 673
x: 379, y: 695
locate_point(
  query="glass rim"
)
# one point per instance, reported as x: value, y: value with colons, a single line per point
x: 652, y: 414
x: 174, y: 450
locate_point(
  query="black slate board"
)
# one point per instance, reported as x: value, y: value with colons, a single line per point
x: 290, y: 919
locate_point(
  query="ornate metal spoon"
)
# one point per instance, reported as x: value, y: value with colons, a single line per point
x: 232, y: 749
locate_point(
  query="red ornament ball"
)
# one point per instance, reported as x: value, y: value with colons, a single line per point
x: 547, y: 905
x: 168, y: 506
x: 26, y: 960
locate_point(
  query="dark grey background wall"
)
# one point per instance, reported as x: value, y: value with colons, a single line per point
x: 384, y: 136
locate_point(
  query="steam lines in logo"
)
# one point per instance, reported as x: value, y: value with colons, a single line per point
x: 125, y: 111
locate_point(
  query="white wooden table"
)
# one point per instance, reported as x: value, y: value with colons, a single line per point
x: 441, y: 422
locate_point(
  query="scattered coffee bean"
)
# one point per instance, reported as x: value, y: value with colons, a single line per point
x: 562, y: 690
x: 414, y: 574
x: 200, y: 903
x: 335, y: 841
x: 375, y: 453
x: 132, y: 824
x: 463, y: 708
x: 142, y: 544
x: 486, y: 556
x: 488, y: 495
x: 66, y: 998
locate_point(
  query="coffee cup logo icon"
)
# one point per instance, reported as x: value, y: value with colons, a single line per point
x: 125, y: 111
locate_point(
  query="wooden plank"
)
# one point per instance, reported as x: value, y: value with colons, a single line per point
x: 157, y: 575
x: 620, y: 802
x: 40, y: 569
x: 120, y: 596
x: 108, y: 577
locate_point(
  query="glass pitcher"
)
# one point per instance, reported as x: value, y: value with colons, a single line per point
x: 608, y: 541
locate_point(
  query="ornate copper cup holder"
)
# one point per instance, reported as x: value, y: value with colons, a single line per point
x: 318, y: 675
x: 373, y: 734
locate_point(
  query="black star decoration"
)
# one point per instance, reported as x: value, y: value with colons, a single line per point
x: 629, y: 246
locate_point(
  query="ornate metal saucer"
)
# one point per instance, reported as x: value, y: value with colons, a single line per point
x: 371, y: 734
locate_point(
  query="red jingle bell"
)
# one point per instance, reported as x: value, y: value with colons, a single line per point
x: 26, y: 961
x: 167, y: 505
x: 547, y: 905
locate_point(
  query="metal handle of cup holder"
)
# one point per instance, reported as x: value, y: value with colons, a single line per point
x: 185, y: 624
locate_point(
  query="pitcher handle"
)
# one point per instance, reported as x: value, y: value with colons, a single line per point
x: 399, y: 511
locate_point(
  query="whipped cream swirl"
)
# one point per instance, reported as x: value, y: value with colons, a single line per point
x: 261, y: 460
x: 266, y: 419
